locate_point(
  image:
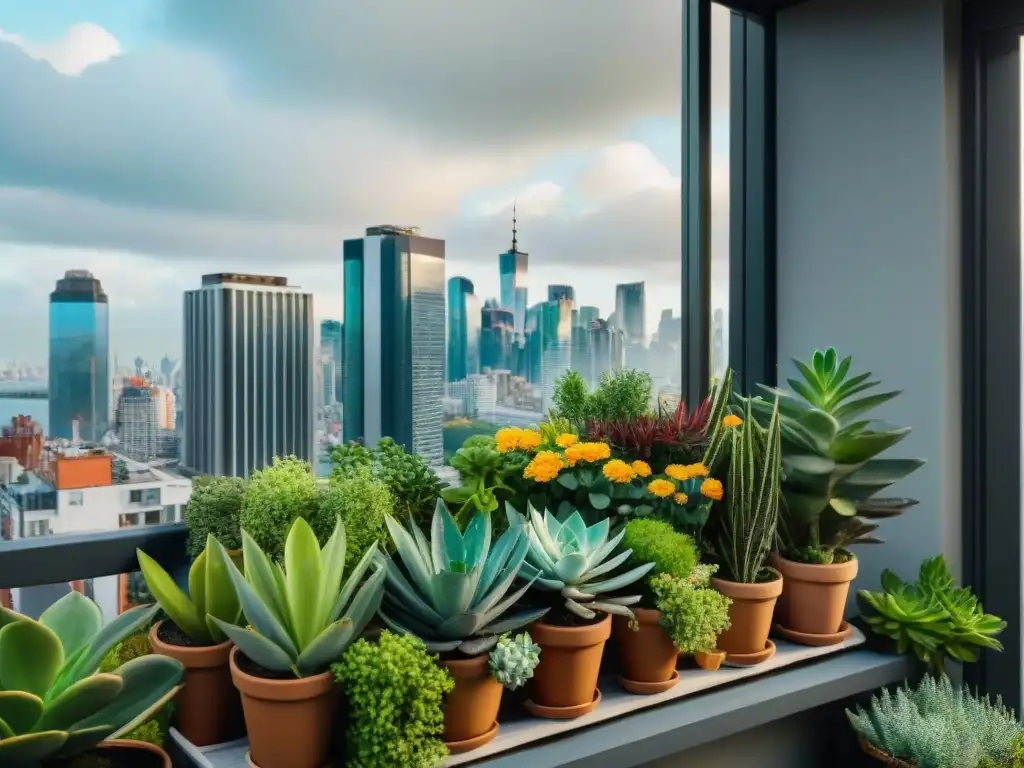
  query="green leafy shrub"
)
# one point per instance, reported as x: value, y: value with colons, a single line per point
x: 655, y: 541
x: 623, y: 395
x: 692, y: 614
x: 276, y: 496
x: 395, y: 692
x: 363, y: 504
x: 214, y: 507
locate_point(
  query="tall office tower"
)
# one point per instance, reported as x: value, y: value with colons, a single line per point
x: 463, y: 329
x: 630, y: 309
x: 145, y: 417
x: 607, y: 351
x: 79, y: 357
x: 561, y: 292
x: 514, y: 267
x: 497, y: 332
x: 555, y: 333
x: 248, y: 374
x: 395, y: 340
x: 332, y: 343
x: 588, y: 315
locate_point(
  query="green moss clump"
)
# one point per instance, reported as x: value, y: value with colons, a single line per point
x: 655, y: 541
x: 363, y: 503
x: 693, y: 616
x: 395, y: 692
x: 276, y: 496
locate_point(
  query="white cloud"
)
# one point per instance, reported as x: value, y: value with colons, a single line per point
x: 81, y: 46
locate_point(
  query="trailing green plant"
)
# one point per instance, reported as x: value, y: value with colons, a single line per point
x: 513, y: 660
x: 932, y: 616
x: 211, y: 595
x: 451, y: 591
x: 363, y: 503
x: 829, y: 453
x: 214, y: 507
x: 657, y: 542
x: 575, y: 561
x: 395, y: 691
x: 276, y: 496
x: 937, y: 725
x: 693, y: 614
x: 56, y: 703
x: 303, y: 615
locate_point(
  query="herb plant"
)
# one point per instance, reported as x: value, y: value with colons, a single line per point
x: 276, y: 496
x: 395, y: 692
x: 623, y: 395
x: 693, y: 614
x: 214, y: 507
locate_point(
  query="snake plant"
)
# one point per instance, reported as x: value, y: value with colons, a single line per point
x: 301, y: 616
x: 451, y: 591
x: 568, y: 557
x: 54, y: 704
x: 211, y: 595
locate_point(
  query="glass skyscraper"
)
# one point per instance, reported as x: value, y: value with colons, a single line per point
x: 513, y: 267
x: 79, y: 357
x: 561, y: 292
x: 630, y: 311
x: 332, y: 342
x: 496, y: 335
x: 395, y: 340
x: 463, y: 329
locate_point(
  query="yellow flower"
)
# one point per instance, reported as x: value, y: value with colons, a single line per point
x: 544, y: 467
x: 712, y: 489
x: 618, y: 471
x: 683, y: 473
x: 731, y: 421
x: 507, y: 439
x: 566, y: 440
x: 587, y: 452
x: 642, y: 468
x: 698, y: 470
x: 661, y: 488
x: 680, y: 499
x: 529, y: 440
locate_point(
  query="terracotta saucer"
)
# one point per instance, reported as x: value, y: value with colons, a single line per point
x: 251, y: 764
x: 458, y: 747
x: 647, y: 689
x: 563, y: 713
x: 818, y: 641
x: 749, y: 659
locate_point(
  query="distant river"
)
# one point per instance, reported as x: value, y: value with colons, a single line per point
x: 37, y: 409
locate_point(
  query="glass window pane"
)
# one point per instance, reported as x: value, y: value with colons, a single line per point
x: 721, y: 19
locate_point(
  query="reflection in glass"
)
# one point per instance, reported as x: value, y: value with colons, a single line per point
x: 721, y: 21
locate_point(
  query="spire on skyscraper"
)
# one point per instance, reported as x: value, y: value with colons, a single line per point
x: 515, y: 244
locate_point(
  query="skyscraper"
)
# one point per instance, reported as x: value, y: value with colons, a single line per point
x: 553, y: 338
x: 332, y: 344
x: 145, y: 420
x: 630, y: 312
x: 395, y: 339
x: 79, y: 357
x: 496, y: 335
x: 513, y: 266
x: 561, y: 292
x: 588, y: 315
x: 248, y: 374
x: 463, y: 329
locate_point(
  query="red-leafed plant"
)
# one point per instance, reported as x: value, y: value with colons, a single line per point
x: 672, y: 436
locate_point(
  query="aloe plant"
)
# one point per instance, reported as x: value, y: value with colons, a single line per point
x: 211, y: 595
x: 54, y: 704
x: 568, y: 557
x: 829, y: 456
x: 451, y: 591
x: 301, y: 615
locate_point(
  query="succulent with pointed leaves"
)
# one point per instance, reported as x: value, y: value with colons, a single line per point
x: 513, y: 660
x: 567, y: 556
x: 54, y: 703
x: 451, y: 591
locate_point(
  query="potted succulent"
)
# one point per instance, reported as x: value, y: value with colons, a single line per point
x: 215, y: 507
x: 301, y: 616
x: 58, y: 706
x: 208, y: 707
x: 575, y: 566
x: 744, y: 533
x: 831, y: 473
x: 451, y: 593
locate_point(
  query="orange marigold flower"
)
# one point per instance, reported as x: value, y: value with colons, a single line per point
x: 566, y: 439
x: 618, y: 471
x: 661, y: 488
x: 680, y: 499
x: 587, y: 452
x: 731, y: 421
x: 642, y: 468
x: 507, y: 439
x: 544, y: 467
x: 529, y: 440
x: 678, y: 472
x: 698, y: 470
x: 712, y: 489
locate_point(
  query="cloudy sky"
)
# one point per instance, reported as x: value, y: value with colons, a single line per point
x: 152, y: 141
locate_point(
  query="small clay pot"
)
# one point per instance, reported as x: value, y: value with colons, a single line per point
x: 893, y: 762
x: 290, y: 722
x: 750, y: 615
x: 813, y: 597
x: 125, y: 753
x: 471, y: 709
x: 648, y: 655
x: 209, y: 710
x: 570, y: 660
x: 709, y: 660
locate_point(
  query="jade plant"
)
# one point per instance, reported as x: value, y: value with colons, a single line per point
x: 211, y: 595
x: 830, y: 456
x: 513, y: 660
x: 576, y: 561
x: 932, y: 617
x: 276, y: 496
x: 54, y: 702
x: 214, y: 507
x: 452, y: 591
x: 301, y: 615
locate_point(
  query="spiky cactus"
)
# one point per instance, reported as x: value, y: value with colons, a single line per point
x: 513, y: 660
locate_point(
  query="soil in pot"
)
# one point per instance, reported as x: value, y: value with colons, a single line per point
x: 813, y: 597
x: 290, y: 720
x: 570, y: 660
x: 750, y: 614
x: 209, y: 710
x: 647, y: 653
x: 471, y: 709
x: 119, y: 753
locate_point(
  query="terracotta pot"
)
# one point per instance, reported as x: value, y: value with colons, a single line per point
x: 710, y: 660
x: 750, y: 615
x: 893, y: 762
x: 290, y: 722
x: 209, y: 710
x: 570, y: 660
x: 648, y: 655
x: 814, y: 596
x: 124, y: 753
x: 471, y: 709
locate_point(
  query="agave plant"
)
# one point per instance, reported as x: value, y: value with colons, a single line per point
x: 829, y: 456
x: 451, y: 591
x: 54, y: 704
x: 211, y: 595
x: 301, y: 616
x: 568, y: 557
